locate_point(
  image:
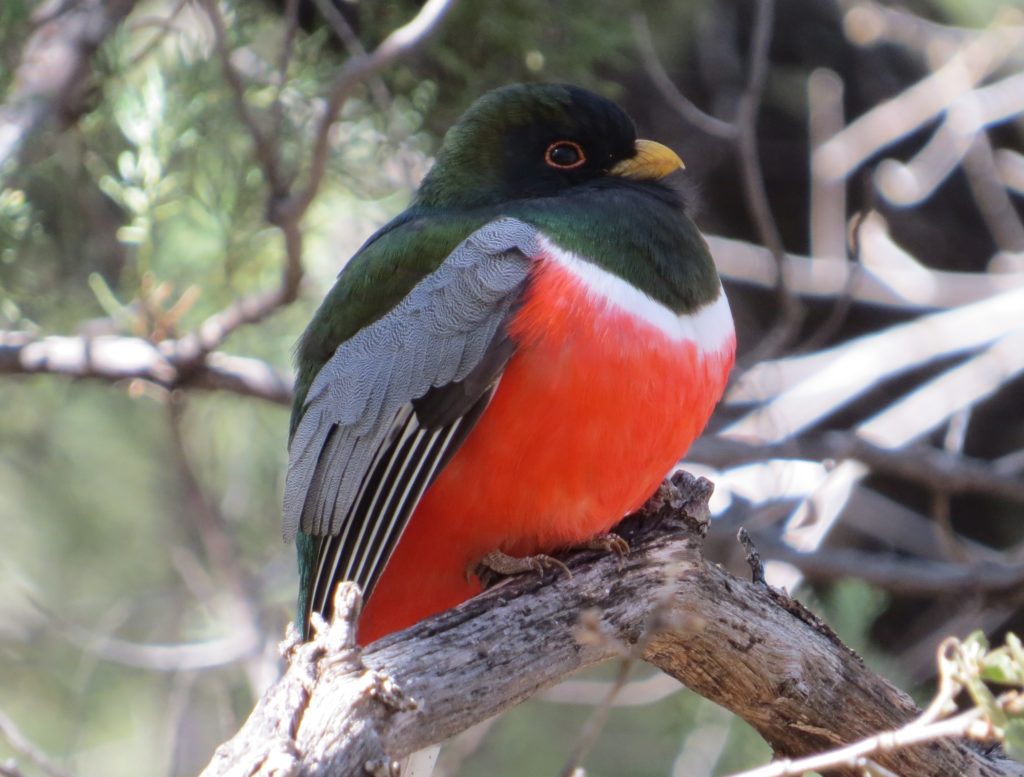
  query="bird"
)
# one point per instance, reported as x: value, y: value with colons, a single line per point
x: 508, y: 367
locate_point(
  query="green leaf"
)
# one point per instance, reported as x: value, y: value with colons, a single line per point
x: 1000, y: 667
x: 1014, y: 739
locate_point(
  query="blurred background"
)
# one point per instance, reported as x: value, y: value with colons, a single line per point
x: 153, y: 282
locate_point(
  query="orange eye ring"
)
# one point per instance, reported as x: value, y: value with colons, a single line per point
x: 559, y: 149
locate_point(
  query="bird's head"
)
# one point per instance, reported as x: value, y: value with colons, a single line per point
x: 536, y: 140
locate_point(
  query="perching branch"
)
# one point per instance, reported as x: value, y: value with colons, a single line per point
x: 747, y: 647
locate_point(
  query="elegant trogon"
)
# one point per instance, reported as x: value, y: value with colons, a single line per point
x: 512, y: 364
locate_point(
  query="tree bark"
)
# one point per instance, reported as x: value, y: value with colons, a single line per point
x: 52, y: 81
x: 752, y: 649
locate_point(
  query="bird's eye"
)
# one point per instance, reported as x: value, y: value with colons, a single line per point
x: 565, y: 155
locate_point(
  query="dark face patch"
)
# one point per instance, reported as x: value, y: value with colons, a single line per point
x: 525, y: 141
x: 596, y: 129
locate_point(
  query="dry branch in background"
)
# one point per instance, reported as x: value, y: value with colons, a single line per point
x: 10, y: 733
x: 49, y: 82
x: 52, y: 81
x: 747, y: 647
x: 742, y: 133
x: 111, y: 358
x: 967, y: 330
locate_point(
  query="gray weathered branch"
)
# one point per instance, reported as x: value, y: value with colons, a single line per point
x: 751, y: 649
x: 113, y: 358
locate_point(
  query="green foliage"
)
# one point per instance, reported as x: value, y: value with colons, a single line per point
x: 14, y: 22
x: 482, y: 46
x: 1014, y: 739
x: 974, y: 666
x: 144, y: 218
x: 979, y: 13
x: 147, y: 216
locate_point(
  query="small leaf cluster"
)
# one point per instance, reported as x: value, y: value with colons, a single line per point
x: 994, y: 680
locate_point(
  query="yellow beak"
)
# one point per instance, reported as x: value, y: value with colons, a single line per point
x: 652, y: 161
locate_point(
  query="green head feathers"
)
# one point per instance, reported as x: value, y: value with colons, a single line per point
x: 505, y: 147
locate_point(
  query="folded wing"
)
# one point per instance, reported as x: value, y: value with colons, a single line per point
x: 395, y: 402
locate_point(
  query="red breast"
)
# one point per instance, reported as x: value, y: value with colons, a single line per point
x: 606, y: 392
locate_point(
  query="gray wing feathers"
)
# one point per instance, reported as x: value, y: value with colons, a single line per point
x: 433, y: 337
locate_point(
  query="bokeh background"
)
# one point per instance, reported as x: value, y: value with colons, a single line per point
x: 872, y: 441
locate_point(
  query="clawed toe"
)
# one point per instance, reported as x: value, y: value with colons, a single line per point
x: 609, y: 543
x: 497, y: 565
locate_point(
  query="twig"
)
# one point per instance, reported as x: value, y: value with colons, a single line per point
x: 178, y: 714
x: 635, y: 693
x: 291, y: 14
x: 164, y: 25
x: 953, y: 443
x: 994, y: 203
x: 285, y: 207
x: 598, y: 717
x: 184, y: 657
x: 461, y: 747
x: 919, y: 289
x: 897, y: 117
x: 929, y: 726
x: 155, y: 657
x: 828, y: 328
x: 238, y: 608
x: 743, y: 134
x: 931, y: 404
x: 968, y: 724
x: 590, y: 631
x: 198, y: 509
x: 10, y: 769
x: 191, y: 348
x: 755, y: 193
x: 791, y: 389
x: 1010, y: 168
x: 24, y: 746
x: 396, y: 45
x: 256, y: 307
x: 964, y: 123
x: 827, y: 197
x: 354, y: 46
x: 753, y: 557
x: 903, y: 27
x: 712, y: 125
x: 897, y: 573
x: 919, y: 463
x: 908, y: 418
x: 266, y: 152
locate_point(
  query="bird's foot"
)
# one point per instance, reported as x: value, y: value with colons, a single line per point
x: 496, y: 565
x: 608, y: 543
